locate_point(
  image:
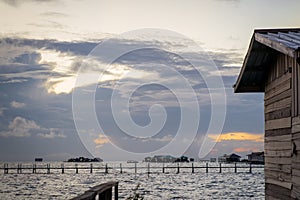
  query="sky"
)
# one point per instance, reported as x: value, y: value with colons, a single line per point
x: 123, y: 80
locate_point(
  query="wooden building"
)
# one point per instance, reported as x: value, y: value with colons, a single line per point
x: 272, y: 66
x: 256, y: 158
x: 229, y: 158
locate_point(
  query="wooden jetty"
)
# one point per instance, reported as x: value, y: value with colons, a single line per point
x: 191, y: 168
x: 102, y: 191
x: 272, y: 66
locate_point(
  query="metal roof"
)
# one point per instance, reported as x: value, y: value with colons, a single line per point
x: 265, y: 45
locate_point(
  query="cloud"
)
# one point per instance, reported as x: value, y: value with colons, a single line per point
x: 238, y: 136
x: 54, y: 14
x: 246, y: 149
x: 101, y: 140
x: 20, y: 127
x: 54, y: 133
x: 1, y: 111
x: 58, y: 62
x: 16, y: 104
x: 31, y: 58
x: 13, y: 81
x: 16, y: 3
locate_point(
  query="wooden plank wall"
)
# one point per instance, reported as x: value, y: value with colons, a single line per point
x: 278, y: 137
x: 296, y: 132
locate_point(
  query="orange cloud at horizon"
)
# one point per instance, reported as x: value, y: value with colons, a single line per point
x: 245, y: 149
x: 240, y: 136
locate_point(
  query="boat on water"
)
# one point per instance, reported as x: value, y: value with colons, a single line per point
x: 38, y: 159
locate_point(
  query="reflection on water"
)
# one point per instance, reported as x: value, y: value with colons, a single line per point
x: 185, y: 185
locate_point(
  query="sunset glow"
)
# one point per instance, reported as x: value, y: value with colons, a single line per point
x: 240, y: 136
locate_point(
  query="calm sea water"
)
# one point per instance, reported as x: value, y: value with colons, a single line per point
x: 168, y: 185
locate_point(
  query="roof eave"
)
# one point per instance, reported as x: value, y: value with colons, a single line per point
x: 237, y: 84
x: 274, y: 45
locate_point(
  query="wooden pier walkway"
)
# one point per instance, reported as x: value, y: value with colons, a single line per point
x: 102, y: 191
x: 47, y: 168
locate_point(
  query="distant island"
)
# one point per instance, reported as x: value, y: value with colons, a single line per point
x: 83, y: 159
x: 168, y: 159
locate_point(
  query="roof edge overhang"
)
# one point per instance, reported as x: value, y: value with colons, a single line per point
x: 259, y: 39
x: 237, y: 84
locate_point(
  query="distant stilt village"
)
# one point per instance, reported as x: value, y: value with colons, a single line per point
x: 253, y: 158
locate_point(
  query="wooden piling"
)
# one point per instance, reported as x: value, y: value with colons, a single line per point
x: 106, y: 169
x: 148, y: 170
x: 91, y: 168
x: 235, y: 169
x: 62, y: 168
x: 135, y: 169
x: 33, y: 168
x: 121, y: 171
x: 250, y: 168
x: 76, y: 168
x: 192, y: 168
x: 206, y: 167
x: 220, y: 168
x: 48, y: 168
x: 5, y: 168
x: 177, y: 168
x: 163, y: 168
x: 19, y: 170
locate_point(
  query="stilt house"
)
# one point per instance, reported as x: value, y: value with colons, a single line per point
x: 272, y: 66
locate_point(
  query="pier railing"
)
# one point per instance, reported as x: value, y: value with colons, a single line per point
x: 102, y: 191
x: 133, y: 168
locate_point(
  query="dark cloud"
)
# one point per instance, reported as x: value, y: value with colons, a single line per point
x: 28, y: 58
x: 47, y: 119
x: 76, y: 47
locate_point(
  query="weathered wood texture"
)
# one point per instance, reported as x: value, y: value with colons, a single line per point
x: 103, y: 191
x: 278, y: 128
x: 296, y: 83
x: 273, y: 191
x: 296, y: 157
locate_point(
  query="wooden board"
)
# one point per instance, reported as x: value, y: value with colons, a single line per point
x: 278, y: 160
x: 284, y: 86
x: 296, y: 129
x: 284, y: 103
x: 277, y: 192
x: 295, y: 165
x: 278, y: 146
x: 296, y: 136
x: 268, y: 197
x: 280, y: 138
x: 277, y: 114
x: 279, y: 176
x: 278, y: 81
x: 278, y: 153
x: 279, y: 167
x: 296, y: 172
x: 296, y: 180
x: 278, y: 123
x: 287, y: 185
x: 283, y: 131
x: 283, y: 95
x: 296, y: 192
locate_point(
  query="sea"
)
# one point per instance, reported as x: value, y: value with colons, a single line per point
x: 156, y: 185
